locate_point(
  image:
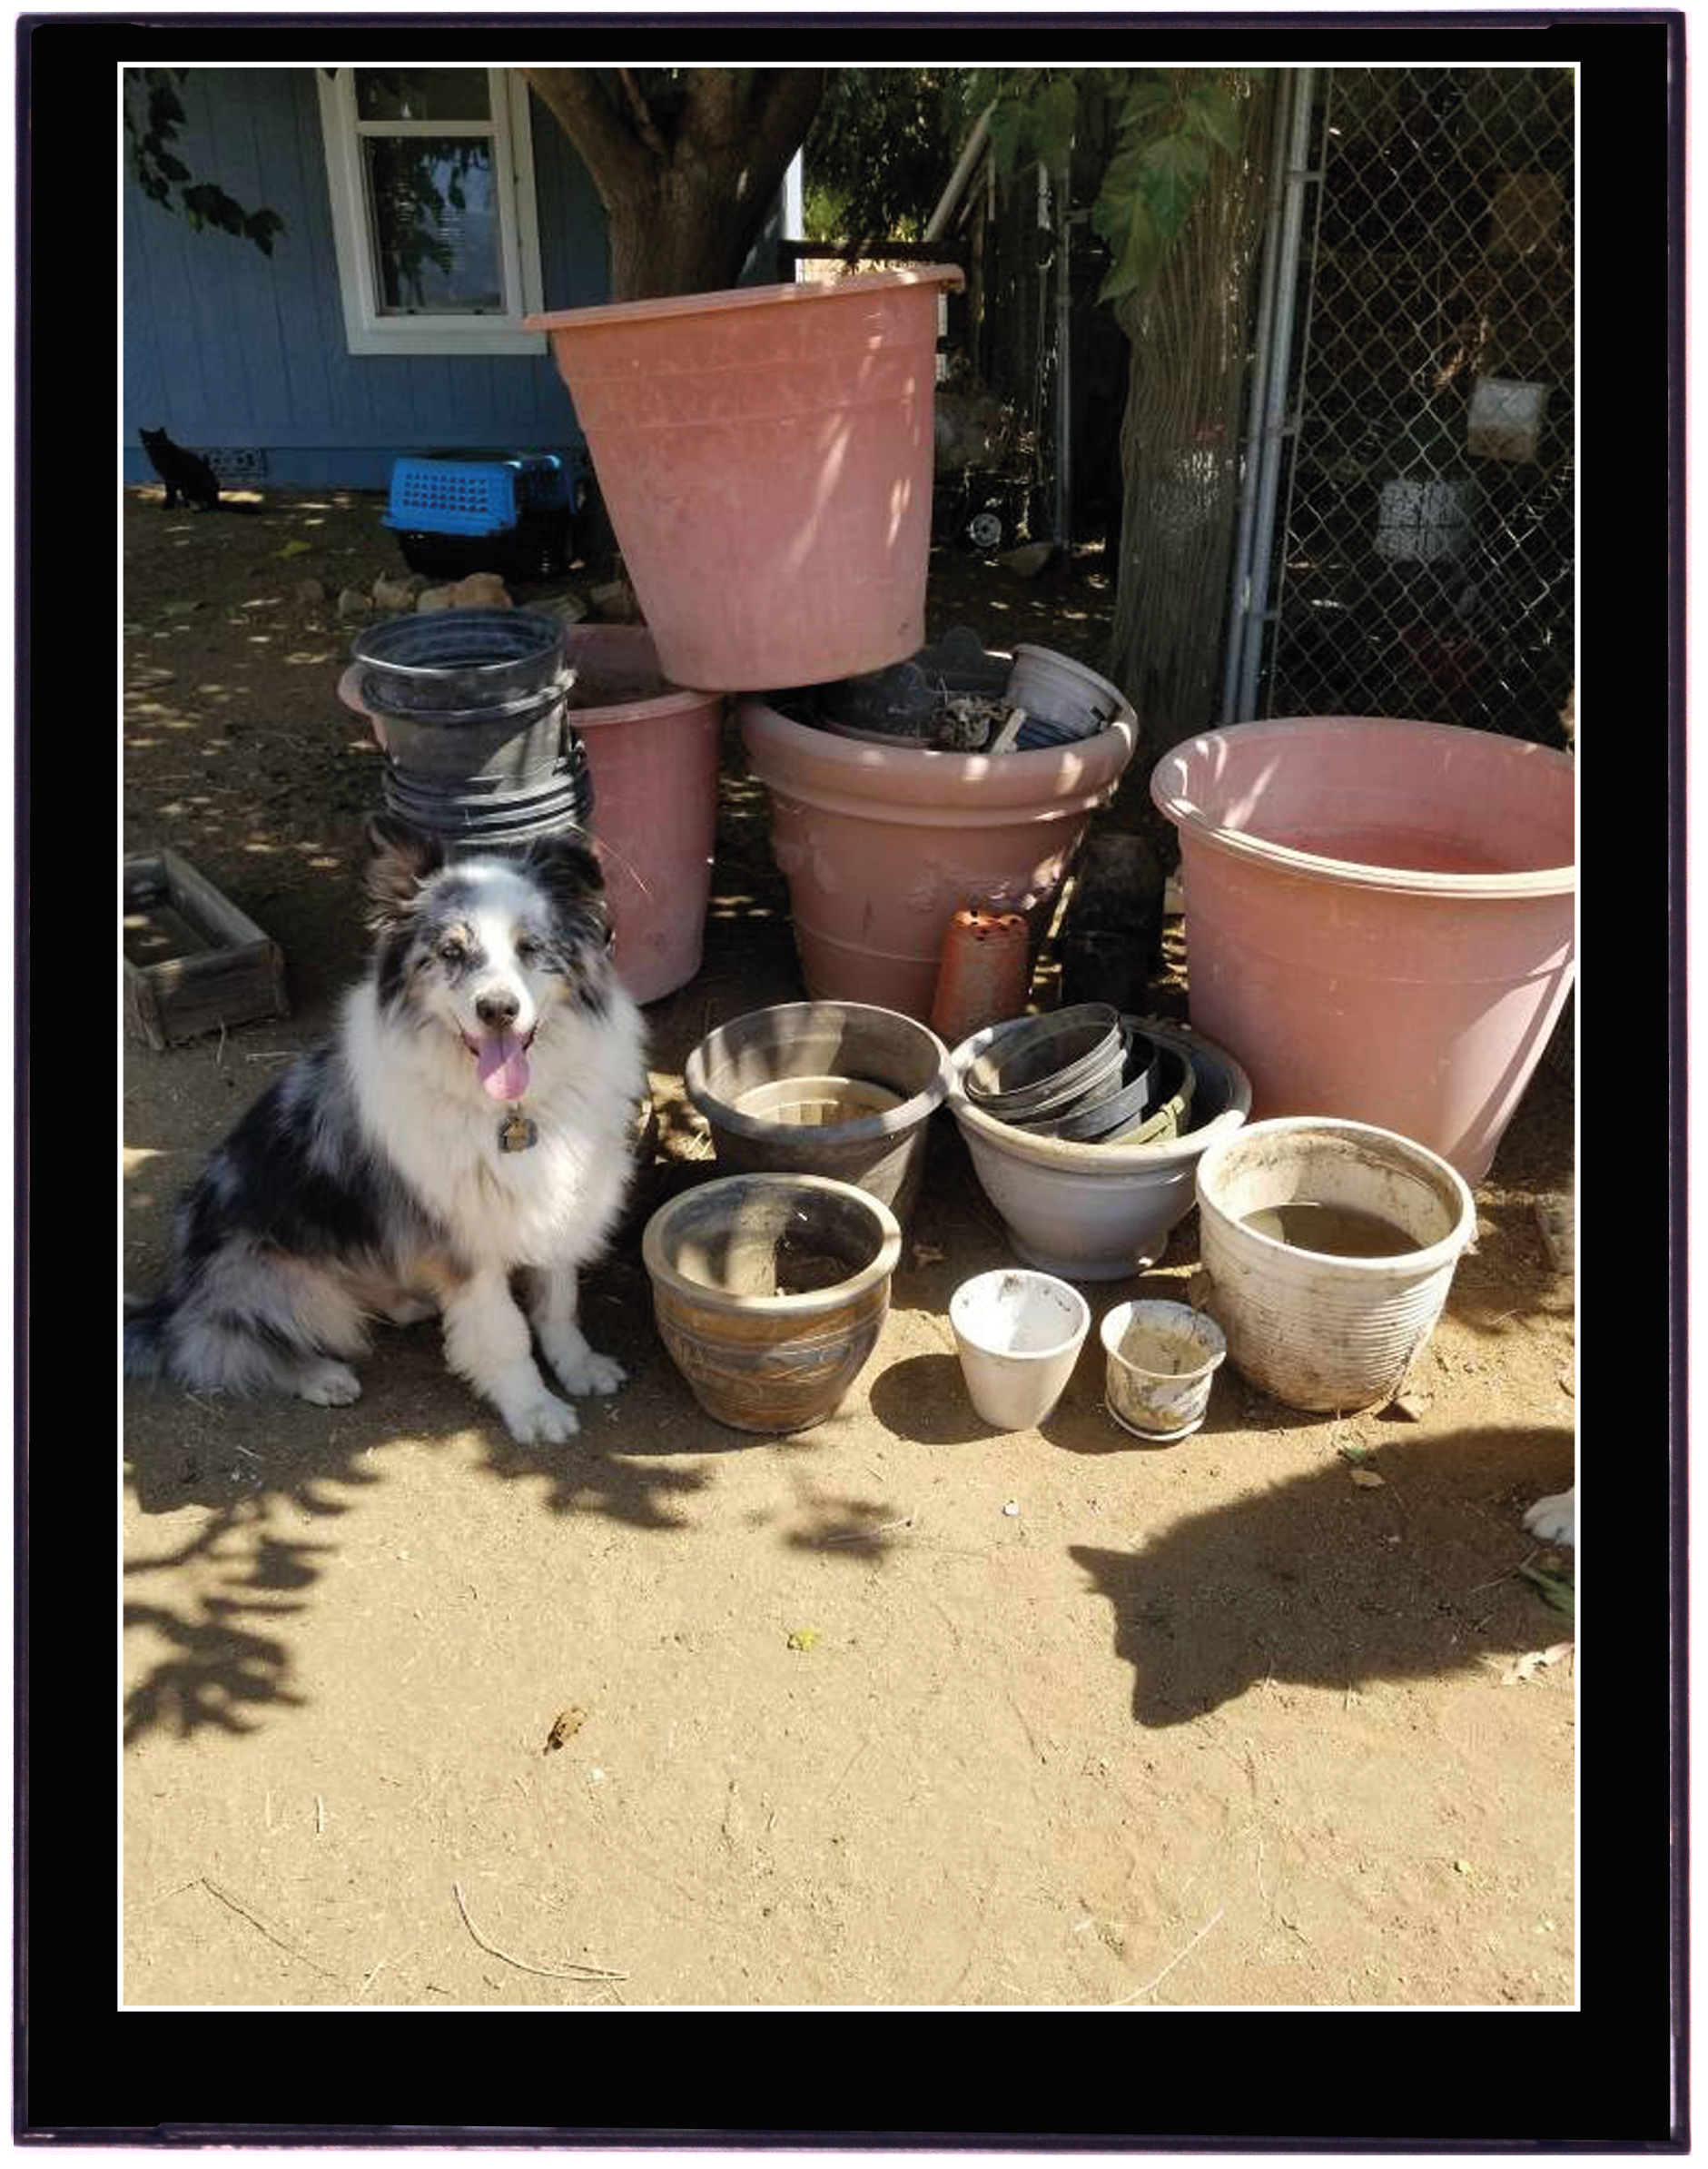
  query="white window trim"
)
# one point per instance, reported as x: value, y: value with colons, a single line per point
x: 365, y: 329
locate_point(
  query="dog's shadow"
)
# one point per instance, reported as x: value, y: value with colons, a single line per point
x: 209, y: 1606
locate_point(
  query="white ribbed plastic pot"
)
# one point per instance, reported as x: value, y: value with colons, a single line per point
x: 1316, y: 1331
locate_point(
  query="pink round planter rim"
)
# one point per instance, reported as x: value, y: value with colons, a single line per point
x: 1168, y: 781
x: 741, y: 297
x: 1045, y: 777
x: 673, y: 700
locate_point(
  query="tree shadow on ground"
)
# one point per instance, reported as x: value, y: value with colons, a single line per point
x: 1320, y: 1582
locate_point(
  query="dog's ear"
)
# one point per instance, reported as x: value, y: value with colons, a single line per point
x: 567, y: 866
x: 403, y: 858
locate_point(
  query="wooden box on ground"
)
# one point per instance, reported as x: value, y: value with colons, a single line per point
x: 192, y: 961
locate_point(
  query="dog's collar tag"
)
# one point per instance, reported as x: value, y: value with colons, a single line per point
x: 517, y: 1133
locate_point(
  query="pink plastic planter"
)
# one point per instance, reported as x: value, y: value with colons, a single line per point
x: 1379, y: 918
x: 881, y: 844
x: 765, y: 455
x: 653, y: 749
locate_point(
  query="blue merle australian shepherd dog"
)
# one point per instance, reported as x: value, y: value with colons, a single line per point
x: 470, y: 1121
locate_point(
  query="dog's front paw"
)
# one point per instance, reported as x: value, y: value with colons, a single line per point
x: 1555, y: 1519
x: 584, y: 1372
x: 541, y: 1420
x: 329, y: 1386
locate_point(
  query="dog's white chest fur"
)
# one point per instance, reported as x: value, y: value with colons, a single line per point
x: 553, y: 1204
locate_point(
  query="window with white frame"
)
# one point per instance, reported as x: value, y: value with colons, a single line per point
x: 431, y: 178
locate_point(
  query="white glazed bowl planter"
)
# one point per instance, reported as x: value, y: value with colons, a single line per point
x: 1095, y: 1211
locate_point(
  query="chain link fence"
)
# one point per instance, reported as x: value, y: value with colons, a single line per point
x: 1423, y: 559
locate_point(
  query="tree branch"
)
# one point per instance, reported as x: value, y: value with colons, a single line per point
x: 643, y: 117
x: 788, y: 99
x: 712, y: 105
x: 606, y: 146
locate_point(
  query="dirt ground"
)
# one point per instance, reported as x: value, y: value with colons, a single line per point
x: 894, y: 1712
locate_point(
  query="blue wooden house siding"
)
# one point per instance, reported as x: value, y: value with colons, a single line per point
x: 227, y: 348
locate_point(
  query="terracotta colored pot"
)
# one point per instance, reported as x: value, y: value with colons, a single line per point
x: 765, y: 456
x: 653, y: 749
x: 882, y: 846
x: 1379, y: 918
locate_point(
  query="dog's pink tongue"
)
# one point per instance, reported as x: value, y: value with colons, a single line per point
x: 503, y: 1065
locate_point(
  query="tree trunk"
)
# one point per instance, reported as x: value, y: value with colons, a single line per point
x: 1180, y: 450
x: 686, y: 161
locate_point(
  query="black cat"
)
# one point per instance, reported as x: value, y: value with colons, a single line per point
x: 186, y: 474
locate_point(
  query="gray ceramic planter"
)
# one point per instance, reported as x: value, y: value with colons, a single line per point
x: 843, y: 1089
x: 1095, y: 1211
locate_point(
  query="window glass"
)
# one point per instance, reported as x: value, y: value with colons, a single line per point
x: 422, y: 95
x: 435, y: 224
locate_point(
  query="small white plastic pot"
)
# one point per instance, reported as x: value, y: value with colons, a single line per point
x: 1161, y: 1364
x: 1018, y: 1335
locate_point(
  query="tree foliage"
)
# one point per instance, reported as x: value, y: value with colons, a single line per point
x: 154, y: 121
x: 1161, y: 128
x: 880, y: 152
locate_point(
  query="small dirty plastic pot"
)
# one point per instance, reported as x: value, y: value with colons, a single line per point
x: 1064, y: 692
x: 1018, y: 1335
x: 1329, y: 1248
x: 1162, y: 1360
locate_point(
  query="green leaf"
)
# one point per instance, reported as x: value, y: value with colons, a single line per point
x: 1122, y: 186
x: 1214, y: 114
x: 1559, y: 1594
x: 1008, y: 123
x: 1175, y: 169
x: 1149, y: 98
x: 1135, y: 269
x: 1053, y: 115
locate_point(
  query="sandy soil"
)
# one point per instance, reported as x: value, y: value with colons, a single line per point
x: 1200, y: 1724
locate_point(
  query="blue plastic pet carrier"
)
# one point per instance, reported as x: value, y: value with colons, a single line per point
x: 513, y: 516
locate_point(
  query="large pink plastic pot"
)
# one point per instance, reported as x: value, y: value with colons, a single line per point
x: 653, y: 749
x: 1379, y: 918
x: 881, y: 844
x: 765, y: 455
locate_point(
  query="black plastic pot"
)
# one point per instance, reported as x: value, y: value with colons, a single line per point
x: 474, y: 749
x: 1110, y: 1104
x: 1050, y: 1064
x: 460, y: 663
x: 491, y: 816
